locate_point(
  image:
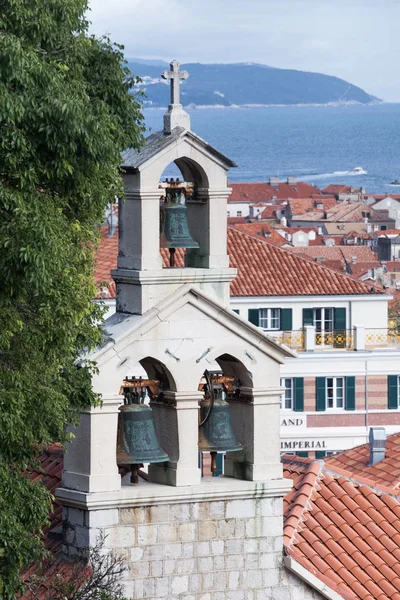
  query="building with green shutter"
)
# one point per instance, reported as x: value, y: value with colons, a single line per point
x: 345, y: 378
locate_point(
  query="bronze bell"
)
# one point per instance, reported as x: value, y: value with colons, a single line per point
x: 136, y: 437
x: 215, y: 430
x: 174, y: 228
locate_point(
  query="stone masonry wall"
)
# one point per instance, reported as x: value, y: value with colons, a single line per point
x: 222, y: 550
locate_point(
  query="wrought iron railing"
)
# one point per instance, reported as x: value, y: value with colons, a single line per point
x: 335, y: 339
x: 382, y: 338
x: 347, y: 339
x: 292, y: 339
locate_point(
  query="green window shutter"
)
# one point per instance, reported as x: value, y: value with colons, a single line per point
x: 298, y: 404
x: 339, y: 326
x: 320, y: 454
x: 286, y: 319
x: 220, y: 462
x: 320, y: 393
x: 236, y: 310
x: 254, y: 316
x: 308, y: 316
x: 392, y: 391
x: 303, y: 454
x: 350, y: 397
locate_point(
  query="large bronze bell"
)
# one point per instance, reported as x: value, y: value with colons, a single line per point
x: 136, y: 437
x: 174, y: 228
x: 215, y: 430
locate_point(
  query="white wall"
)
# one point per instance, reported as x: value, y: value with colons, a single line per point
x: 371, y: 312
x: 234, y: 207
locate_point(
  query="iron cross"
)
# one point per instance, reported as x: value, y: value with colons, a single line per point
x: 175, y: 75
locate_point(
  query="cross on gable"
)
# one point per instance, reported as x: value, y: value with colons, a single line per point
x: 175, y: 75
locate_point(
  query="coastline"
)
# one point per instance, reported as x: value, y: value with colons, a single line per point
x: 237, y: 106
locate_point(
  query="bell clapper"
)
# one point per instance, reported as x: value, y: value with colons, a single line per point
x: 172, y: 257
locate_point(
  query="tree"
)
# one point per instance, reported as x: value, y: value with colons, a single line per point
x: 66, y: 113
x: 97, y: 578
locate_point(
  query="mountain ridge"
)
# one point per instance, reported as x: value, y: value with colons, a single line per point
x: 246, y: 84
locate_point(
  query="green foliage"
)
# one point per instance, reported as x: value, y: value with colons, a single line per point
x: 66, y: 113
x: 98, y: 577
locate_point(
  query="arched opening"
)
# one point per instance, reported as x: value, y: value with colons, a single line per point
x: 222, y: 389
x: 184, y: 217
x: 139, y: 432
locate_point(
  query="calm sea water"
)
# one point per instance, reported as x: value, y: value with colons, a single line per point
x: 315, y: 144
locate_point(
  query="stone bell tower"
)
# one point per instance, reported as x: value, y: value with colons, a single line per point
x: 183, y: 535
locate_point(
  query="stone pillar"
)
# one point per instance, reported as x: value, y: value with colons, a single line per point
x: 256, y: 424
x: 359, y: 337
x: 139, y: 230
x: 90, y: 463
x: 309, y: 338
x: 177, y: 425
x: 206, y: 217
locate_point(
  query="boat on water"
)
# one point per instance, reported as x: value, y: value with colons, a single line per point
x: 357, y: 170
x: 395, y: 182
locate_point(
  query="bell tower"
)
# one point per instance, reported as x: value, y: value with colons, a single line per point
x: 212, y: 386
x: 140, y: 278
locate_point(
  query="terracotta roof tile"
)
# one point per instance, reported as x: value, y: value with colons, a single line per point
x: 258, y: 263
x: 265, y: 192
x: 356, y: 462
x: 346, y: 525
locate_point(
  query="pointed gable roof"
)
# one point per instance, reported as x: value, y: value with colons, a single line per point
x: 158, y: 141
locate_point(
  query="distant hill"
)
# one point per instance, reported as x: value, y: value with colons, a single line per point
x: 246, y: 83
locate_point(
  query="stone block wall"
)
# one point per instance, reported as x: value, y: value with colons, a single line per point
x: 218, y: 550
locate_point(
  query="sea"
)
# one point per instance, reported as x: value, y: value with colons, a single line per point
x: 316, y: 144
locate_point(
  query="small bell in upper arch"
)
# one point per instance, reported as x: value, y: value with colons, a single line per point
x: 174, y: 228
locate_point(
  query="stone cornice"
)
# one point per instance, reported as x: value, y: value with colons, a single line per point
x: 150, y: 494
x: 176, y: 275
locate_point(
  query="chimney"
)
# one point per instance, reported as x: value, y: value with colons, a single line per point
x: 274, y: 181
x: 319, y: 230
x: 377, y: 445
x: 291, y: 180
x: 353, y: 260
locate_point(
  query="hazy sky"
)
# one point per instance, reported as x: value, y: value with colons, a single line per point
x: 357, y: 40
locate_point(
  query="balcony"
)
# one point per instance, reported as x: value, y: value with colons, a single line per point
x: 358, y: 338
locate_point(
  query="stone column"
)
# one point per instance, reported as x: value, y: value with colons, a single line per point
x: 359, y: 337
x: 205, y: 217
x: 90, y: 463
x: 256, y: 424
x: 139, y: 230
x: 177, y: 425
x: 309, y: 338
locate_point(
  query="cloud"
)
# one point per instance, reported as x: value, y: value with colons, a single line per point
x: 353, y: 39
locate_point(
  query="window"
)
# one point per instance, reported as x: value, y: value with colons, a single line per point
x: 287, y: 396
x: 393, y: 391
x: 269, y: 318
x: 323, y: 322
x: 383, y: 227
x: 335, y: 392
x: 228, y: 213
x: 238, y: 213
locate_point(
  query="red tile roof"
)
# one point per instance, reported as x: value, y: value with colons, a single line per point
x: 339, y: 189
x: 355, y: 461
x: 261, y: 192
x: 269, y: 212
x: 258, y: 264
x: 300, y: 206
x: 346, y: 532
x: 262, y: 230
x: 361, y: 253
x: 265, y: 270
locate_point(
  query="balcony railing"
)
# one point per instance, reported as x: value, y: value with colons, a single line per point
x: 358, y: 338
